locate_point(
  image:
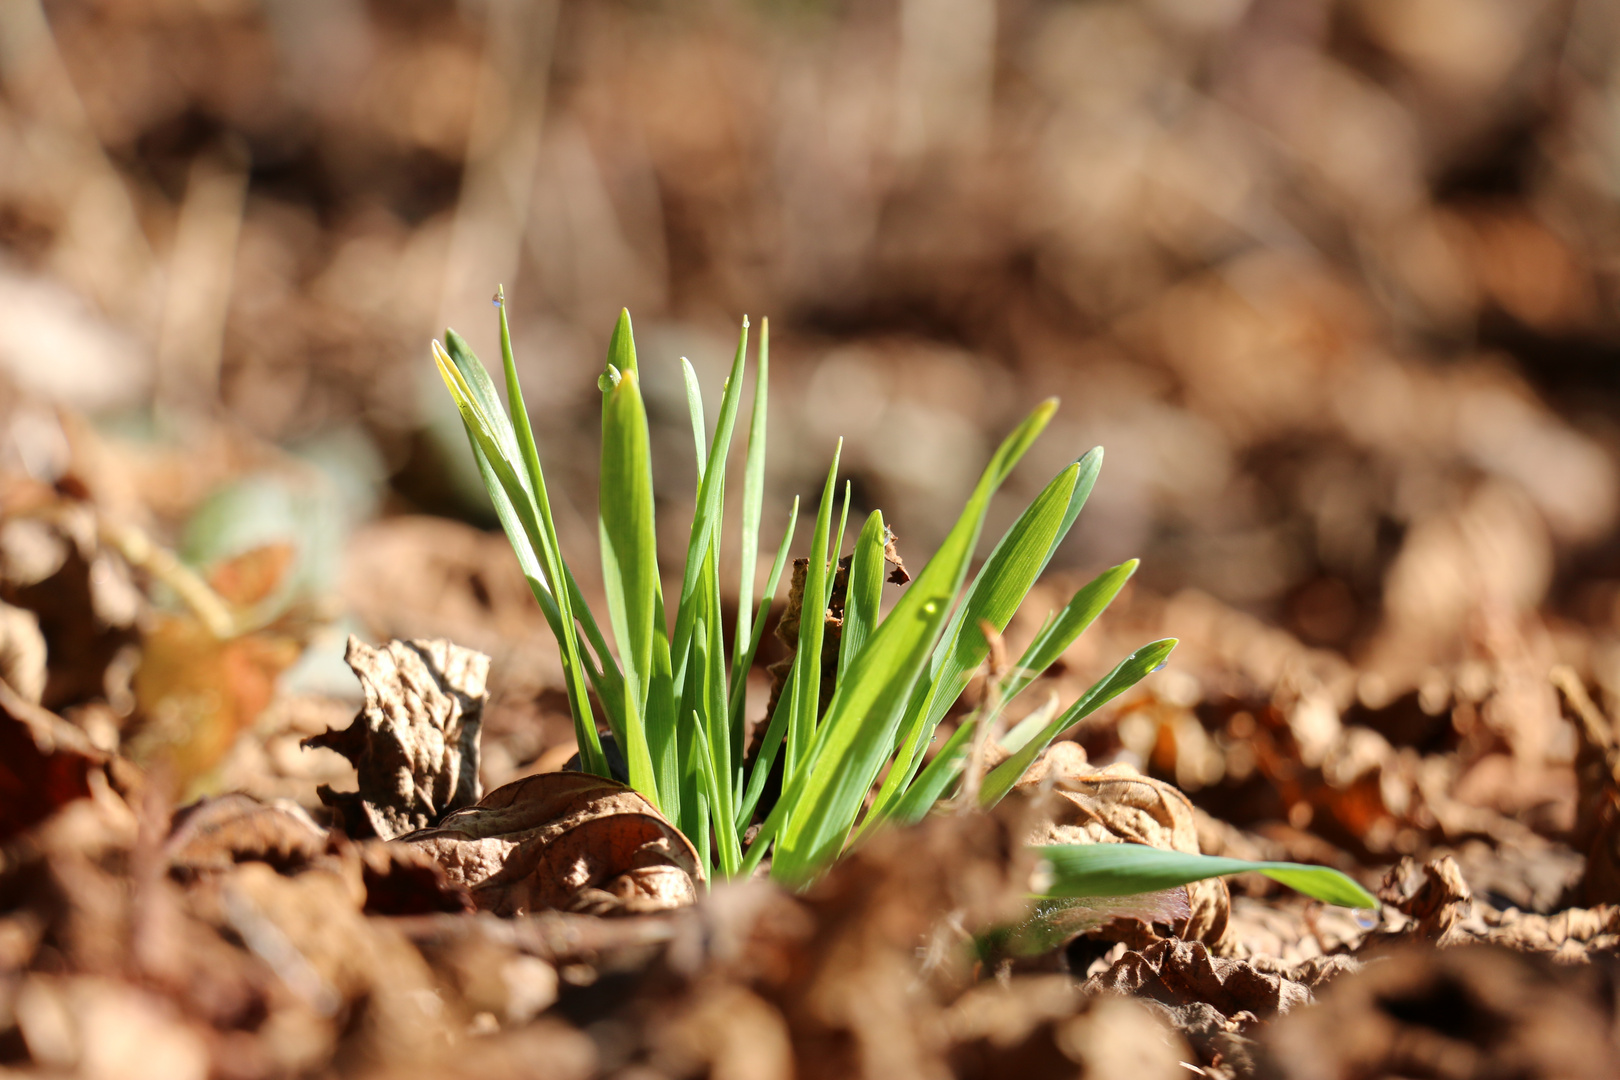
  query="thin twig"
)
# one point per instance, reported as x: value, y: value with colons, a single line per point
x: 141, y: 552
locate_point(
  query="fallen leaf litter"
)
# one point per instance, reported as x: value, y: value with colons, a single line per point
x: 561, y: 918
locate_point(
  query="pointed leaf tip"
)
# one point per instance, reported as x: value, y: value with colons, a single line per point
x: 622, y: 345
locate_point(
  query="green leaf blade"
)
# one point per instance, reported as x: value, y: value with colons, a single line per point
x: 473, y: 393
x: 1130, y: 671
x: 629, y: 545
x: 857, y: 736
x: 864, y: 593
x: 706, y: 515
x: 741, y: 667
x: 995, y: 595
x: 1088, y: 602
x: 812, y: 627
x: 1085, y: 870
x: 753, y: 501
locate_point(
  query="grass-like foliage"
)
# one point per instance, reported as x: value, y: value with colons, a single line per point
x: 672, y: 691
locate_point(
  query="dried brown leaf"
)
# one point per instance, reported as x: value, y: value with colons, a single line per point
x: 415, y: 740
x: 565, y: 841
x: 1184, y: 972
x: 197, y: 692
x: 898, y: 575
x: 1081, y: 805
x: 1434, y: 896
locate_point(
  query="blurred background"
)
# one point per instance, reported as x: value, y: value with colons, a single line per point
x: 1333, y: 281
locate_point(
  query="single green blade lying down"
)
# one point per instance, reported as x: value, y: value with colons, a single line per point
x: 1080, y: 870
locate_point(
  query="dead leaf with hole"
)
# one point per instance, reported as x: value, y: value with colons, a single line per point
x: 415, y: 740
x: 1081, y: 805
x: 565, y: 841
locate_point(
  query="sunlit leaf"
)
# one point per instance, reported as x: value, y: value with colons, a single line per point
x: 1082, y: 870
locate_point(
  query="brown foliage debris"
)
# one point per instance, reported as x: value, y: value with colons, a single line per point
x: 565, y: 841
x: 415, y: 741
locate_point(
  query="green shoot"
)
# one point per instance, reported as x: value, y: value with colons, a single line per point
x: 674, y: 697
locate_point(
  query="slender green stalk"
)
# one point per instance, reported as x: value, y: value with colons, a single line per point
x: 838, y: 545
x: 996, y: 593
x: 857, y: 736
x: 812, y: 627
x: 740, y: 670
x: 516, y: 503
x: 707, y: 513
x: 753, y: 502
x: 629, y: 544
x: 864, y: 592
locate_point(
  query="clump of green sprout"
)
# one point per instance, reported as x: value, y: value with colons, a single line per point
x: 672, y: 691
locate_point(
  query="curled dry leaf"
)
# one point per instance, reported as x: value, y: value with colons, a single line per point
x: 565, y: 841
x: 1434, y: 897
x: 1083, y: 805
x: 1432, y: 902
x: 899, y: 575
x: 415, y: 741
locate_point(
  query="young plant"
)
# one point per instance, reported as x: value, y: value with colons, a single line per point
x: 673, y: 695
